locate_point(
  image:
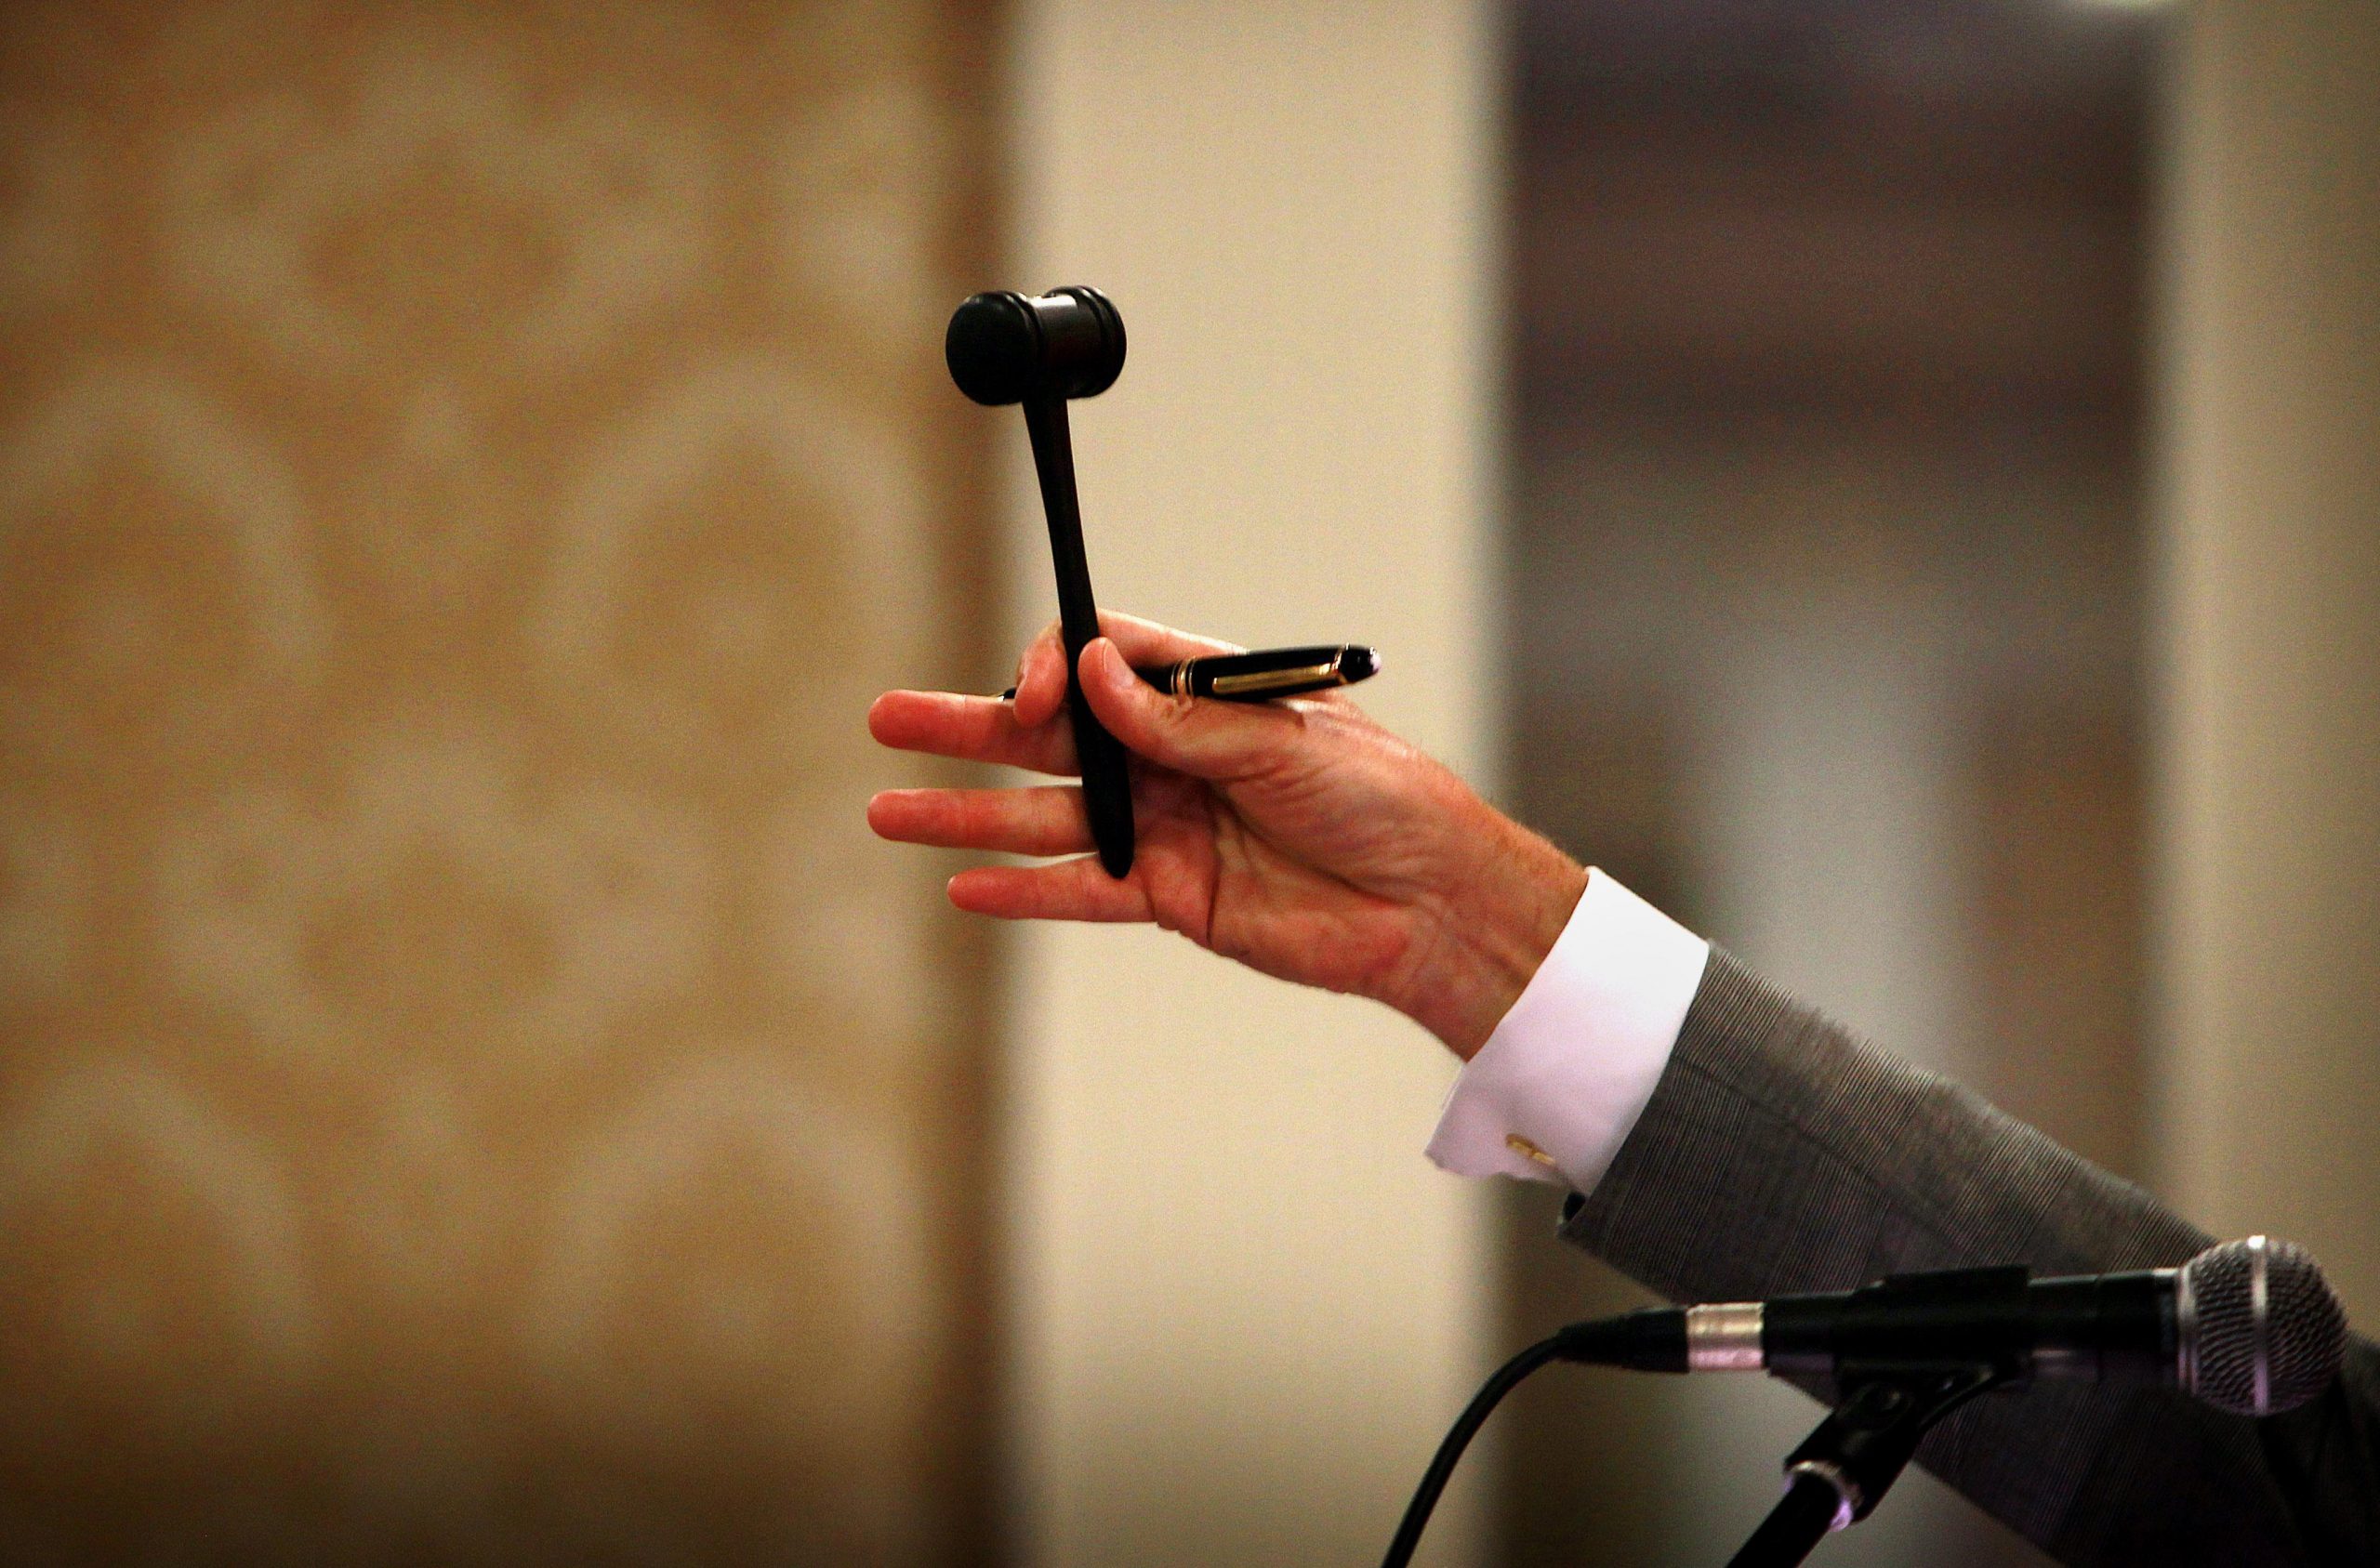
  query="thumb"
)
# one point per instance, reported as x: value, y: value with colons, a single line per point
x: 1207, y: 740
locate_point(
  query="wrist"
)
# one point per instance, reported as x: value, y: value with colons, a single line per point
x: 1490, y: 933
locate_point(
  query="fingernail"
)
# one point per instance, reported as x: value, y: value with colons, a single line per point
x: 1120, y: 674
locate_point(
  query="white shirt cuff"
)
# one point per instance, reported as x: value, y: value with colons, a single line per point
x: 1558, y: 1086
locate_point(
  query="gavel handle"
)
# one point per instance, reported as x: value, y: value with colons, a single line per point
x: 1106, y: 786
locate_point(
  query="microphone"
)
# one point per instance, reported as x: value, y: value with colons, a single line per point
x: 2249, y: 1326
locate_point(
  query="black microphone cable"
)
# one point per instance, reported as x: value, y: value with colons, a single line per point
x: 1504, y: 1381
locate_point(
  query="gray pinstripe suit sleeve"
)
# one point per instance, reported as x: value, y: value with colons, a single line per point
x: 1779, y: 1153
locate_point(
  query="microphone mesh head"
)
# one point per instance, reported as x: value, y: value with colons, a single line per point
x: 2269, y: 1332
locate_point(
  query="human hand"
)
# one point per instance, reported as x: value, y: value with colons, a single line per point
x: 1299, y: 836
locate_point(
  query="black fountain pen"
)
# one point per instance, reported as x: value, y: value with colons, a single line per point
x: 1261, y: 675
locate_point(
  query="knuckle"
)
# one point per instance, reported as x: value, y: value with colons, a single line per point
x: 1173, y: 715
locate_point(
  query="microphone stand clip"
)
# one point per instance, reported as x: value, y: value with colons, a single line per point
x: 1842, y: 1470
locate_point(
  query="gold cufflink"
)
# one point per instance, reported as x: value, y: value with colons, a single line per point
x: 1522, y: 1146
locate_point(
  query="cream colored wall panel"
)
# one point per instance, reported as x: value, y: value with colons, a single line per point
x: 1245, y: 1306
x: 2268, y: 630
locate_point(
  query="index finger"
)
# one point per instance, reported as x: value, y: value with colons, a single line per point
x: 972, y: 728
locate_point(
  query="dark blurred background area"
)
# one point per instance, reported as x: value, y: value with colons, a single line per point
x: 1829, y: 453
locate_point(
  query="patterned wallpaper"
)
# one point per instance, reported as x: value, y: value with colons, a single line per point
x: 470, y: 1090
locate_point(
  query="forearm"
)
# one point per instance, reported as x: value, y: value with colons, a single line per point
x: 1478, y: 943
x: 1777, y: 1154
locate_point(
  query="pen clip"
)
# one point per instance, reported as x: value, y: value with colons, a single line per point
x: 1274, y: 679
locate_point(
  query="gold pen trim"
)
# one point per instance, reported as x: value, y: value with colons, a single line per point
x: 1274, y: 679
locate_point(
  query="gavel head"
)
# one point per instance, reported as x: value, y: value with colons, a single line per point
x: 1006, y: 348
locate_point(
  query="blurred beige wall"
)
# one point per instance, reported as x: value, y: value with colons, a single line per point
x: 472, y: 1091
x: 2269, y: 631
x: 1245, y: 1306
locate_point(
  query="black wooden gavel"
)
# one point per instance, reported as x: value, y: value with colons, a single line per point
x: 1039, y: 350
